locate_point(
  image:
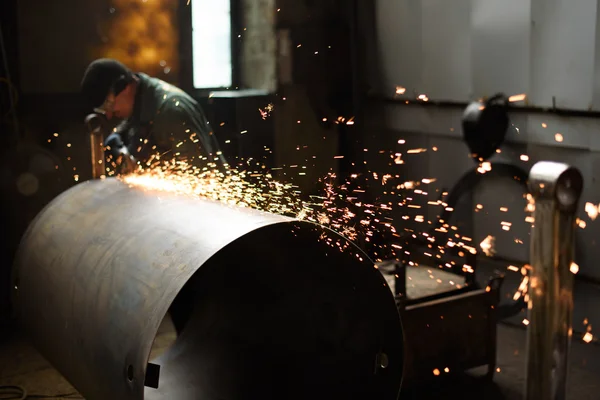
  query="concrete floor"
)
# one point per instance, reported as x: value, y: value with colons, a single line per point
x: 21, y: 364
x: 508, y: 384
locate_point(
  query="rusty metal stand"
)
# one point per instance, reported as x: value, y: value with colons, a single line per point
x: 556, y: 189
x: 451, y: 331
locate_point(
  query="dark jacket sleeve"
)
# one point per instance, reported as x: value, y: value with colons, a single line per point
x: 180, y: 127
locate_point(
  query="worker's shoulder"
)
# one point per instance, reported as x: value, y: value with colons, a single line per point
x: 170, y: 96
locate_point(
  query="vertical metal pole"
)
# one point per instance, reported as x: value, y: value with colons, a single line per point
x: 94, y: 124
x: 556, y: 189
x: 11, y: 87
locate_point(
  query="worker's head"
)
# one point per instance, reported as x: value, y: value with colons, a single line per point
x: 110, y: 87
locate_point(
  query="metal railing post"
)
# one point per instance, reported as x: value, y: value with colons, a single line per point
x: 556, y: 189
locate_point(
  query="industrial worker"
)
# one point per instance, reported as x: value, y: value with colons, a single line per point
x: 158, y: 118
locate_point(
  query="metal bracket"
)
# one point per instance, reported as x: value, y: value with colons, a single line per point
x: 152, y: 375
x: 94, y: 125
x: 556, y: 189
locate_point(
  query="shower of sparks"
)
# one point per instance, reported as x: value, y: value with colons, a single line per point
x: 487, y: 245
x: 484, y: 167
x: 574, y: 268
x: 336, y: 209
x: 343, y: 205
x: 592, y: 210
x: 231, y: 189
x: 266, y: 112
x: 530, y: 203
x: 523, y: 286
x: 517, y: 97
x: 342, y: 120
x: 588, y: 337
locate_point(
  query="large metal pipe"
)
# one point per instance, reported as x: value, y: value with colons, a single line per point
x: 556, y: 189
x: 279, y: 310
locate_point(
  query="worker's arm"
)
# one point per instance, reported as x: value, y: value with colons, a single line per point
x: 176, y: 128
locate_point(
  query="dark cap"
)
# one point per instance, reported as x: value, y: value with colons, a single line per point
x: 101, y: 76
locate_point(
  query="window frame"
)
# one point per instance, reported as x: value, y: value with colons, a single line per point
x: 186, y: 53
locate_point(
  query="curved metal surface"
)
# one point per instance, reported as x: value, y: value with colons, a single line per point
x: 279, y: 311
x: 556, y: 189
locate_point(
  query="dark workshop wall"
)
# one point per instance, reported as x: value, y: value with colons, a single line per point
x: 473, y: 53
x: 315, y: 88
x: 8, y: 131
x: 258, y: 45
x: 54, y: 40
x: 58, y: 39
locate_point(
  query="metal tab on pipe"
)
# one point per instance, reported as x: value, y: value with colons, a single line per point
x: 556, y: 189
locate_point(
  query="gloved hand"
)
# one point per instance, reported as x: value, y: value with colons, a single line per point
x: 126, y: 163
x: 114, y: 145
x: 119, y: 153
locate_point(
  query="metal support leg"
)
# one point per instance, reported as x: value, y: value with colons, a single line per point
x: 556, y: 189
x: 94, y: 124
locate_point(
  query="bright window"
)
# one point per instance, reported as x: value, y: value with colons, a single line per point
x: 211, y: 43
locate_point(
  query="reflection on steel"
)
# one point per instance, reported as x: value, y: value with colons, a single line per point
x: 94, y: 124
x: 277, y: 312
x: 556, y: 189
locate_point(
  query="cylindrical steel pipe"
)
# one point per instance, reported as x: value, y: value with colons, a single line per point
x: 279, y: 310
x: 556, y: 189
